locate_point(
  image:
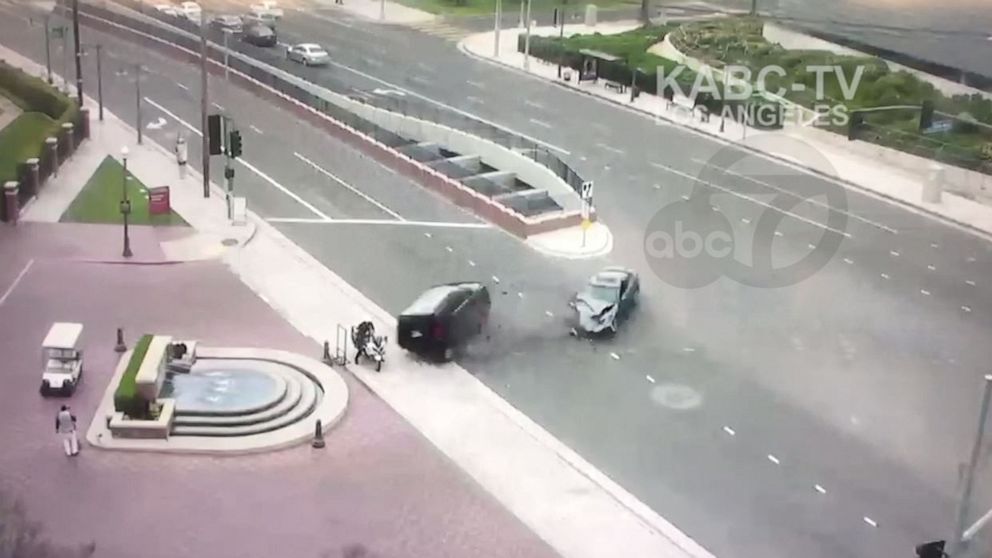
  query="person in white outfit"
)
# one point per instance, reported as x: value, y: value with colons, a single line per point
x: 182, y: 154
x: 65, y: 427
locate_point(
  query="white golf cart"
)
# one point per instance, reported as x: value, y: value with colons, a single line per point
x: 62, y: 360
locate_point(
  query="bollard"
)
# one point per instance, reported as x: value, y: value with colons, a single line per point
x: 33, y: 178
x: 327, y: 354
x: 318, y: 436
x: 120, y: 347
x: 11, y: 204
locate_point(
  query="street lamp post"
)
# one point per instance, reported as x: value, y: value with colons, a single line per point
x: 497, y: 21
x: 954, y: 547
x: 79, y: 53
x: 527, y: 40
x: 125, y: 205
x: 137, y: 97
x: 48, y: 51
x: 99, y: 80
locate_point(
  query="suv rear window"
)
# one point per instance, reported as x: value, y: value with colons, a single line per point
x: 433, y: 299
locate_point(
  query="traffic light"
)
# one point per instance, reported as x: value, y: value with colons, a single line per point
x: 235, y: 144
x: 215, y: 134
x: 934, y: 549
x: 926, y: 115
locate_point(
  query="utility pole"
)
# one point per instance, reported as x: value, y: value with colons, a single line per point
x: 204, y: 132
x: 229, y: 132
x: 382, y: 10
x: 754, y: 7
x: 65, y: 48
x: 137, y: 96
x: 99, y: 80
x: 527, y: 41
x: 48, y: 50
x: 561, y: 38
x: 954, y: 547
x: 497, y: 17
x: 79, y: 52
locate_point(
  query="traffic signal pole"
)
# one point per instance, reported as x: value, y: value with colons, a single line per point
x: 204, y: 105
x: 954, y: 546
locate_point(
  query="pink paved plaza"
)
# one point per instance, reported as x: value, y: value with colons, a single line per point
x: 378, y: 483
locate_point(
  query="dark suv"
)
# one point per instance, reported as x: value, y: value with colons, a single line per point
x: 443, y: 319
x: 259, y: 35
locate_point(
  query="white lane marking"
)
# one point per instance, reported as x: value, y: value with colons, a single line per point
x: 779, y: 233
x: 256, y: 130
x: 183, y: 87
x: 885, y: 275
x: 932, y: 267
x: 495, y: 279
x: 472, y: 99
x: 449, y: 107
x: 474, y: 83
x: 925, y: 292
x: 970, y: 283
x: 649, y: 378
x: 971, y: 259
x: 448, y: 248
x: 848, y: 261
x: 792, y: 194
x: 966, y: 308
x: 540, y: 123
x: 870, y: 521
x: 471, y: 263
x: 934, y: 245
x: 534, y: 104
x: 894, y: 253
x: 305, y: 220
x: 520, y: 294
x: 419, y: 79
x: 220, y: 108
x: 819, y: 489
x: 729, y: 430
x: 745, y: 220
x: 17, y: 280
x: 685, y: 197
x: 245, y: 163
x: 372, y: 62
x: 752, y: 200
x: 356, y: 191
x: 427, y: 234
x: 811, y: 246
x: 425, y: 67
x: 390, y: 222
x: 548, y: 314
x: 657, y: 186
x: 774, y: 459
x: 609, y: 148
x: 614, y: 356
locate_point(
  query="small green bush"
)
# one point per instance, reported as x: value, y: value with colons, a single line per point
x: 127, y: 400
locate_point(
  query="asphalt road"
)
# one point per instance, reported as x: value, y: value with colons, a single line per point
x: 823, y: 419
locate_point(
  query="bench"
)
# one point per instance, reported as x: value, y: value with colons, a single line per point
x: 618, y: 87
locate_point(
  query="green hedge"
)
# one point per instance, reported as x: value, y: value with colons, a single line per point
x: 21, y: 140
x: 127, y: 400
x: 32, y: 94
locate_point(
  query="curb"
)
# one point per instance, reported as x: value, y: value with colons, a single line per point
x: 606, y: 248
x: 842, y: 181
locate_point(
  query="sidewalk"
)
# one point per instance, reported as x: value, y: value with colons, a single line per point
x: 863, y: 172
x: 576, y: 509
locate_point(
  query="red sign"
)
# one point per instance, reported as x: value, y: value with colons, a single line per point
x: 158, y: 201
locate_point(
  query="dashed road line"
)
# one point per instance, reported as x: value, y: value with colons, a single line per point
x: 924, y: 292
x: 734, y: 193
x: 534, y: 104
x: 819, y: 489
x: 609, y: 148
x: 245, y: 163
x: 449, y: 249
x: 476, y: 100
x: 181, y: 86
x: 614, y: 356
x: 870, y: 521
x: 649, y: 378
x: 17, y: 280
x: 884, y: 275
x: 256, y: 130
x: 970, y: 283
x: 495, y: 279
x: 428, y: 235
x: 356, y: 191
x: 932, y: 267
x: 474, y: 83
x: 966, y: 308
x: 218, y: 107
x: 729, y: 430
x: 848, y: 261
x: 774, y: 459
x: 471, y: 263
x: 894, y: 253
x: 540, y: 123
x: 549, y: 314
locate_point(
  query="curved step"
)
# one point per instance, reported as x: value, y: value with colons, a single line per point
x: 292, y: 394
x: 279, y: 373
x: 310, y: 396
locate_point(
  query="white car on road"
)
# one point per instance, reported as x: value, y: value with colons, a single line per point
x: 308, y: 54
x: 191, y: 11
x: 168, y: 9
x: 266, y: 7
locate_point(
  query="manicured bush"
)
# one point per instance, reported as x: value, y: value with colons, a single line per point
x: 127, y: 400
x: 22, y: 139
x: 35, y: 94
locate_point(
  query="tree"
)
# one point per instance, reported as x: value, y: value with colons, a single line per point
x: 645, y: 12
x: 20, y: 537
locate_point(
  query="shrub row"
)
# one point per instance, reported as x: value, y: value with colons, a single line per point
x: 127, y: 400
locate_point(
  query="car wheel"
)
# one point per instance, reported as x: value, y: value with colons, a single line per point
x: 378, y: 366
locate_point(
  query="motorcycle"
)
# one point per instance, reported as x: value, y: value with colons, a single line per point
x: 368, y: 344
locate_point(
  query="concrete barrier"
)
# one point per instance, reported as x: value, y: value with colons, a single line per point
x: 459, y: 194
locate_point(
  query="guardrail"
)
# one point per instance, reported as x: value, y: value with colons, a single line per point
x: 407, y: 106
